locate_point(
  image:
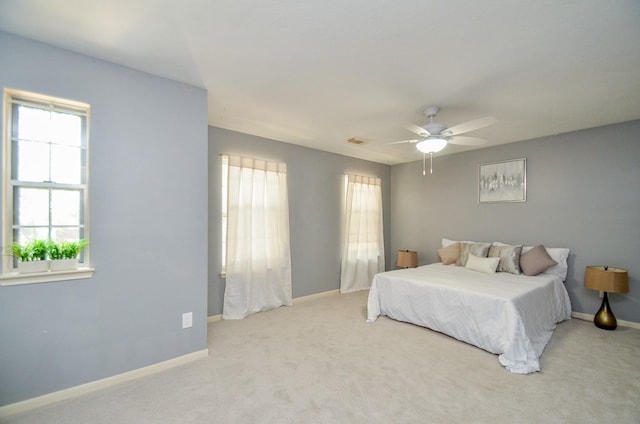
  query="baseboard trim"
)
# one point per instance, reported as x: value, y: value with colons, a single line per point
x: 316, y: 296
x: 214, y: 318
x: 72, y: 392
x: 621, y: 323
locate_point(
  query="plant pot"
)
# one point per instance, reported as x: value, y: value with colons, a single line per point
x: 33, y: 266
x: 63, y: 264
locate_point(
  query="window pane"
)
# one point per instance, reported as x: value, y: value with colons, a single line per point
x: 65, y: 164
x: 66, y: 129
x: 31, y: 206
x: 33, y: 124
x: 23, y: 235
x: 65, y: 207
x: 65, y: 234
x: 32, y: 161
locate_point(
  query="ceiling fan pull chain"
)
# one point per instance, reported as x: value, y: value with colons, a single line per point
x: 424, y: 163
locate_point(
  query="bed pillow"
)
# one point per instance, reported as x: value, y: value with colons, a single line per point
x: 486, y: 265
x: 558, y: 254
x: 450, y: 254
x: 448, y: 242
x: 535, y: 261
x: 479, y: 249
x: 509, y: 257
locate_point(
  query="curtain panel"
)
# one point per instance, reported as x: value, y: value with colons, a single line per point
x: 258, y: 257
x: 363, y: 239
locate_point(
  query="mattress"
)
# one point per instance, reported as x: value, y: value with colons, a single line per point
x: 510, y: 315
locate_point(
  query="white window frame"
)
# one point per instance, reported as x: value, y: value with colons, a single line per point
x: 9, y: 275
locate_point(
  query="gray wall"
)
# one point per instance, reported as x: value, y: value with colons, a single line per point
x: 315, y: 182
x: 583, y: 192
x: 148, y: 202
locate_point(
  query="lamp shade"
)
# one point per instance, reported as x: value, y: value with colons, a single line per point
x: 407, y: 259
x: 431, y: 145
x: 606, y: 279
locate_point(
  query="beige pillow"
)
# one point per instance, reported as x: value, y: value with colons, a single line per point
x: 486, y: 265
x: 509, y: 257
x: 450, y: 254
x: 535, y: 261
x: 479, y: 249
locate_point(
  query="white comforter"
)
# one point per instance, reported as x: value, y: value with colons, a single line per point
x: 510, y: 315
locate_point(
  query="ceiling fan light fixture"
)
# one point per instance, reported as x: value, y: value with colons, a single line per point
x: 431, y: 145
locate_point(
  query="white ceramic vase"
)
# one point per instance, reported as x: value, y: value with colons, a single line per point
x: 63, y: 264
x: 33, y: 266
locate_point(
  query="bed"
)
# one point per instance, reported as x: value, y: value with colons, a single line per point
x: 510, y: 315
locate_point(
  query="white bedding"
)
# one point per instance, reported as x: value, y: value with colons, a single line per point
x: 510, y: 315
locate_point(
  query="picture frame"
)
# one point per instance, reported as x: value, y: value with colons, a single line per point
x: 504, y: 181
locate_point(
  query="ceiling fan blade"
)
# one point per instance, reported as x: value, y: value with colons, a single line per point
x: 418, y: 130
x: 467, y: 141
x: 476, y: 124
x: 404, y: 141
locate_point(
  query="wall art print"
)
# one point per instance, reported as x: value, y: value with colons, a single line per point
x: 504, y: 181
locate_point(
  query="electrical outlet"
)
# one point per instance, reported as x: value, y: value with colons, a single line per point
x: 187, y: 320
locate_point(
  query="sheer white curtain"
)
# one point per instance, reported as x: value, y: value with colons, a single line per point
x: 363, y: 239
x: 258, y: 262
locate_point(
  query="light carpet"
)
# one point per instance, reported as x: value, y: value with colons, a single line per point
x: 320, y: 362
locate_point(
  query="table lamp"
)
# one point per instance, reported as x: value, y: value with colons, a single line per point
x: 407, y: 259
x: 608, y: 280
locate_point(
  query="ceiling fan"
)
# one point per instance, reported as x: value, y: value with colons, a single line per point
x: 433, y: 137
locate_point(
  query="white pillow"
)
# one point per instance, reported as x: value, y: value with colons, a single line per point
x: 499, y: 243
x: 486, y: 265
x: 558, y: 254
x: 447, y: 242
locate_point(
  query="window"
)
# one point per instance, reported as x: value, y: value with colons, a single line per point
x: 258, y: 188
x: 45, y: 149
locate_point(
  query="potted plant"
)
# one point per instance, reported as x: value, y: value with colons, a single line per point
x: 31, y: 256
x: 64, y: 255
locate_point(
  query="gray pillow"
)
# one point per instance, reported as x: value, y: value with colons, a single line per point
x: 479, y: 249
x: 509, y: 258
x: 535, y: 261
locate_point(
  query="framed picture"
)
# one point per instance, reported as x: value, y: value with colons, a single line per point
x: 504, y: 181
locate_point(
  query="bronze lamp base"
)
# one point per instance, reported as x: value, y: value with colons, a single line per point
x: 604, y: 318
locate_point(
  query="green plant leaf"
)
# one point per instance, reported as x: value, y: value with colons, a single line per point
x: 40, y: 250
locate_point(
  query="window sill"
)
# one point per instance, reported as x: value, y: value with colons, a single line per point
x: 15, y: 279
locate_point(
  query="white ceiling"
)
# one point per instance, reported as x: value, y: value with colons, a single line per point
x: 317, y: 72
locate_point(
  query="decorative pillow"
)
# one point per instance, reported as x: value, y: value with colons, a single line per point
x: 486, y: 265
x: 535, y: 261
x: 450, y: 254
x: 509, y: 257
x: 479, y: 249
x: 558, y: 254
